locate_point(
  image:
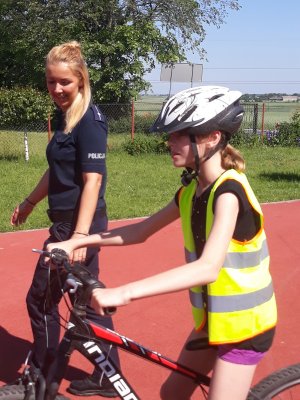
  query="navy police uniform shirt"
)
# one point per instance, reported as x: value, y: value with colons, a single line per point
x: 69, y: 155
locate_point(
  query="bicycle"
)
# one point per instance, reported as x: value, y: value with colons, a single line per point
x: 87, y: 338
x: 283, y: 384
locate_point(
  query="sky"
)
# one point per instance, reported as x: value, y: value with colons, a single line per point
x: 256, y: 50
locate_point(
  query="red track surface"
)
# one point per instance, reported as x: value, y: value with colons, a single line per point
x: 160, y: 323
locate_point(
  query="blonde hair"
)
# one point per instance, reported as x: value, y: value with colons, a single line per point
x: 70, y: 53
x: 231, y: 158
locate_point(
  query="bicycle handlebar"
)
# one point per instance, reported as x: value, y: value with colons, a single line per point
x: 76, y: 273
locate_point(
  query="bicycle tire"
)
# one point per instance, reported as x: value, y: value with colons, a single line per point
x: 17, y: 392
x: 13, y: 392
x: 278, y: 385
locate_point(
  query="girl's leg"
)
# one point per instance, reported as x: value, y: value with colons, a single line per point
x: 178, y: 387
x: 230, y: 381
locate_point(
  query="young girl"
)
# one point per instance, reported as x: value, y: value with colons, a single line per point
x: 227, y: 269
x: 75, y: 186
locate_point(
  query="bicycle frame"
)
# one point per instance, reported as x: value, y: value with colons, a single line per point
x: 86, y: 337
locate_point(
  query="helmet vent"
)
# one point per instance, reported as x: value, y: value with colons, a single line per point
x: 215, y: 97
x: 178, y: 105
x: 189, y: 113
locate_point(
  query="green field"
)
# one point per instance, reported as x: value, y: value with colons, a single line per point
x: 140, y: 185
x: 279, y: 112
x: 12, y: 141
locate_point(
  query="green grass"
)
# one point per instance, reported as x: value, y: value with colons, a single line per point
x: 274, y: 172
x: 140, y: 185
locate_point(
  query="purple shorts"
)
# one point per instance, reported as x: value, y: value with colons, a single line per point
x: 228, y: 352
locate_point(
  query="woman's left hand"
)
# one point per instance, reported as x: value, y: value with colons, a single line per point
x: 20, y: 213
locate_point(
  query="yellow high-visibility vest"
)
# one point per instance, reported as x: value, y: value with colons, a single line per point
x: 241, y: 302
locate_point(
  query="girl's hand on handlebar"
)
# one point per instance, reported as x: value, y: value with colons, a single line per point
x: 79, y: 255
x: 61, y: 245
x: 102, y: 299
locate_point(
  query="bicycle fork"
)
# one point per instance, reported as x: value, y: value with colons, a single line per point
x: 57, y: 370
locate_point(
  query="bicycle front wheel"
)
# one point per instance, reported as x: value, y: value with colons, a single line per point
x: 13, y: 392
x: 19, y: 392
x: 283, y: 384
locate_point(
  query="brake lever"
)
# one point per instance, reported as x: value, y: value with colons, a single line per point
x: 71, y: 284
x: 58, y: 256
x: 42, y: 252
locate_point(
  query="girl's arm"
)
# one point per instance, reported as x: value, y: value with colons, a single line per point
x: 130, y: 234
x: 200, y: 272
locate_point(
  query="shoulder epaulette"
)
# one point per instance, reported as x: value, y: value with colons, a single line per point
x: 97, y: 113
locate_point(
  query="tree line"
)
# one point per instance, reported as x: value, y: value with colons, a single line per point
x: 121, y: 39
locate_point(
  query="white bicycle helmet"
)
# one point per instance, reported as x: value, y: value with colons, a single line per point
x: 207, y: 108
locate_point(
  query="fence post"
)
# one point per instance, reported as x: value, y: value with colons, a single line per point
x: 132, y: 120
x: 262, y: 121
x: 255, y: 118
x: 26, y: 145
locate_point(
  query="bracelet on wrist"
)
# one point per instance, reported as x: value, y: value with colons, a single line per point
x: 30, y: 202
x: 81, y: 233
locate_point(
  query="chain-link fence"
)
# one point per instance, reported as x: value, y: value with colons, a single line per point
x: 126, y: 120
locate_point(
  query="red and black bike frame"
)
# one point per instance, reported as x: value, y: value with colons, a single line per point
x: 94, y: 341
x: 88, y: 338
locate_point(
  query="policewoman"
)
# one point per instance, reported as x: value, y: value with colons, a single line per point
x: 75, y: 184
x: 227, y: 269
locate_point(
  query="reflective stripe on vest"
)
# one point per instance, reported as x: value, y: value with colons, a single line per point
x: 241, y: 302
x: 246, y: 260
x: 198, y: 310
x: 195, y: 299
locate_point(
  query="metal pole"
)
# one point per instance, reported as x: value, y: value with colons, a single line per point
x: 255, y: 117
x: 262, y: 121
x: 26, y: 146
x: 192, y: 76
x: 170, y: 81
x: 132, y: 120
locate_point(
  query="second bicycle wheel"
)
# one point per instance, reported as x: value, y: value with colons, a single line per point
x: 13, y: 392
x: 283, y: 384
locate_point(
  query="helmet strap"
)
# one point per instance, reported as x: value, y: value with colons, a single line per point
x: 220, y: 146
x: 189, y: 174
x: 195, y: 151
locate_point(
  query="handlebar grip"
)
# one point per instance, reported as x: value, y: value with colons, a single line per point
x: 90, y: 283
x: 107, y: 310
x: 59, y: 257
x: 110, y: 310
